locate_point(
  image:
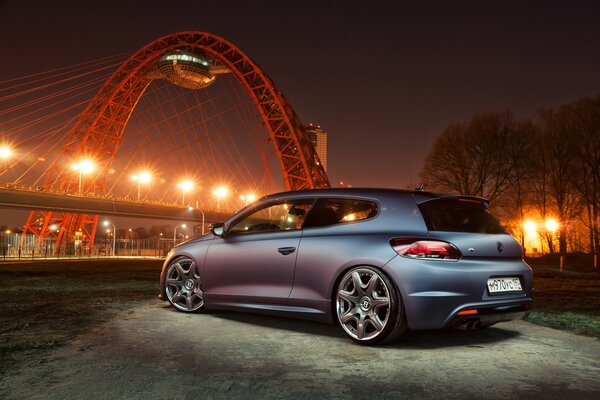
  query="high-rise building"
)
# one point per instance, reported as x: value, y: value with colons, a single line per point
x: 318, y: 138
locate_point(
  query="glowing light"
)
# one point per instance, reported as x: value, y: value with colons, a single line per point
x: 185, y: 57
x: 142, y: 177
x: 248, y: 198
x: 5, y: 152
x: 186, y: 186
x: 552, y: 225
x: 7, y: 232
x: 183, y: 226
x: 84, y: 166
x: 349, y: 217
x: 221, y: 192
x: 530, y: 226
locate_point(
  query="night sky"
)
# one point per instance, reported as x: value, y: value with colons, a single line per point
x: 383, y: 80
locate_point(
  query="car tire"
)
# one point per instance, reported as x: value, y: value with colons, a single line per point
x: 183, y: 286
x: 368, y: 306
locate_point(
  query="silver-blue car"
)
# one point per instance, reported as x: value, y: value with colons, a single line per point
x: 377, y: 262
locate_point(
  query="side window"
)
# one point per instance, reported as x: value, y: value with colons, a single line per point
x: 338, y: 211
x: 283, y: 216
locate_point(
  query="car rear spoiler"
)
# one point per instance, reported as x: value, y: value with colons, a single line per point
x: 469, y: 199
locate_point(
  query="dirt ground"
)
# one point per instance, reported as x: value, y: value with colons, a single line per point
x: 97, y: 330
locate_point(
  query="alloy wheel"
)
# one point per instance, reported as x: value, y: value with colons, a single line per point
x: 363, y: 304
x: 183, y: 286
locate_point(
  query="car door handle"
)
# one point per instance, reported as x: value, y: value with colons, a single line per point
x: 286, y: 250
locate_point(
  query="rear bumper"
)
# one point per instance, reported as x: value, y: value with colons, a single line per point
x: 433, y: 293
x: 489, y: 315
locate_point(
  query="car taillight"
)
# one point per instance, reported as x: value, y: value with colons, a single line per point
x: 426, y: 249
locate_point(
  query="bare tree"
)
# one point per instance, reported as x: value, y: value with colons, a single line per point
x: 583, y: 126
x: 557, y: 157
x: 472, y: 158
x: 521, y: 149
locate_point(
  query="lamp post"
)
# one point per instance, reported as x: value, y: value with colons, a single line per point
x: 185, y: 186
x: 552, y: 226
x: 142, y: 177
x: 175, y: 233
x: 106, y: 223
x: 84, y: 166
x: 248, y: 198
x: 192, y: 208
x: 220, y: 193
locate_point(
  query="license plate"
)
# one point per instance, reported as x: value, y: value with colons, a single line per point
x: 500, y: 285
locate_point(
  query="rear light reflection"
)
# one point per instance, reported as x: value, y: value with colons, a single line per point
x: 426, y: 249
x: 467, y: 312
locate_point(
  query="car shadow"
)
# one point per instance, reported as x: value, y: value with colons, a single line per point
x: 457, y: 337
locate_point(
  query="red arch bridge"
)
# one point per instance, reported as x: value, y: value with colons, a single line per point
x: 79, y: 153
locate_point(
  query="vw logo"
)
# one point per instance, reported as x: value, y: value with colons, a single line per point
x: 500, y: 247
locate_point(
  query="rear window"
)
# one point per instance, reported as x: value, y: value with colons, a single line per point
x: 338, y: 211
x: 459, y: 215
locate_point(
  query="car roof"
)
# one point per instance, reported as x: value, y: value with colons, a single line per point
x: 419, y: 196
x: 352, y: 191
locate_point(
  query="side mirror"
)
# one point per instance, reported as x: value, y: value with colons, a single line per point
x: 216, y: 229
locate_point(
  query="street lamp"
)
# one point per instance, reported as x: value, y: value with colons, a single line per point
x: 192, y: 209
x: 248, y: 198
x: 551, y: 225
x: 106, y: 223
x: 220, y: 192
x: 84, y: 166
x: 142, y: 177
x: 185, y: 186
x: 6, y: 152
x: 175, y: 233
x: 530, y: 226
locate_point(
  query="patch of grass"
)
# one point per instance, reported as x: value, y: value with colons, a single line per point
x: 565, y: 320
x: 567, y: 300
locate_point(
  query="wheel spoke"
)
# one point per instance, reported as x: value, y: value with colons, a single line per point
x: 374, y: 320
x: 189, y: 301
x: 372, y: 285
x: 360, y: 327
x: 348, y: 297
x: 180, y: 270
x: 358, y: 288
x: 349, y: 316
x: 175, y: 282
x: 380, y: 301
x: 176, y: 297
x: 192, y: 271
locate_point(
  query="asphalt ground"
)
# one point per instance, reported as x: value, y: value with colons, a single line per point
x: 132, y: 346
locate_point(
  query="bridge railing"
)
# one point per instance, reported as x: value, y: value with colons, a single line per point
x: 26, y: 188
x: 12, y: 248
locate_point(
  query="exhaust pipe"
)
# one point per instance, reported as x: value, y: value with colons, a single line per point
x: 473, y: 324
